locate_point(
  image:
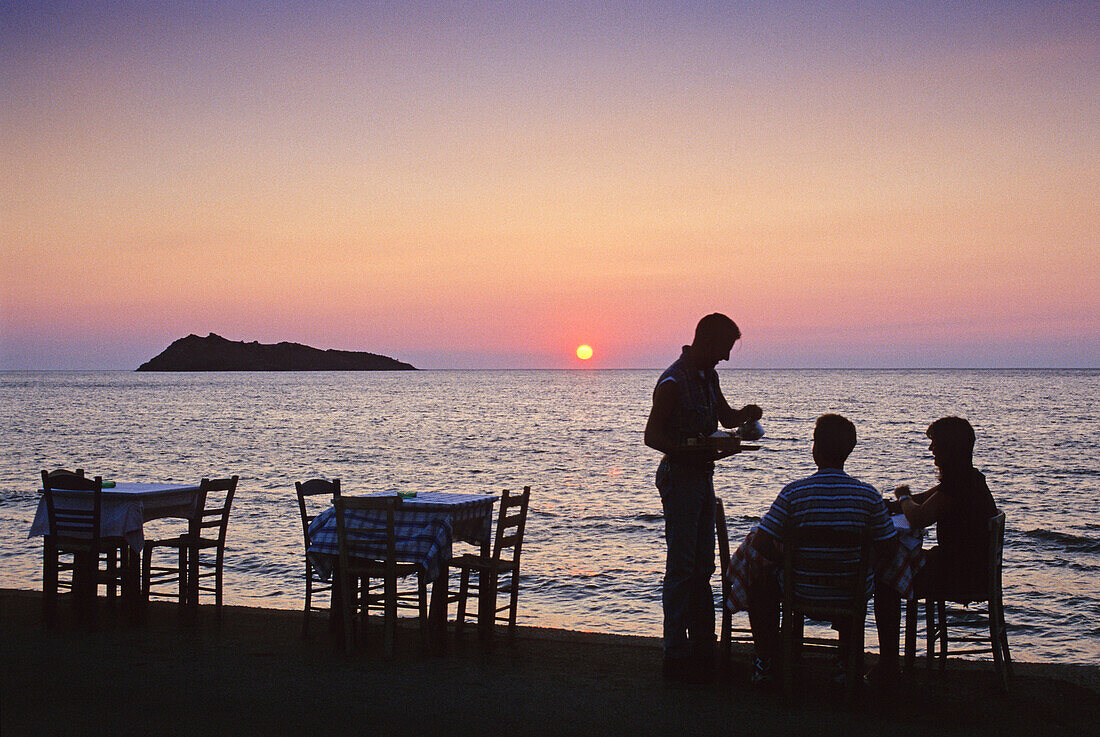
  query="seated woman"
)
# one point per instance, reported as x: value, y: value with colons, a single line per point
x: 960, y: 506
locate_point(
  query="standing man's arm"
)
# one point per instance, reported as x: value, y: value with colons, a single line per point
x: 730, y: 417
x: 658, y: 429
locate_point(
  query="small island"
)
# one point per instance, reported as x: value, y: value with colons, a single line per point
x: 215, y: 353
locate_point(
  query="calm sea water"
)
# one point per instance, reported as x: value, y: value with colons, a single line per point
x: 594, y: 548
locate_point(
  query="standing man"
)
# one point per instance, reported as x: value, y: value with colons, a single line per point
x: 688, y: 405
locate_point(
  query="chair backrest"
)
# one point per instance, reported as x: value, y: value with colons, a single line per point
x: 313, y: 487
x: 217, y: 496
x: 826, y: 567
x: 996, y: 553
x: 65, y: 472
x: 511, y: 522
x: 66, y: 521
x: 388, y: 505
x: 722, y: 534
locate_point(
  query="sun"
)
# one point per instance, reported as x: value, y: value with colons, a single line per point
x: 584, y: 352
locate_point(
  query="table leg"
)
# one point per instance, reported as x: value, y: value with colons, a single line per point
x: 85, y: 589
x: 437, y: 613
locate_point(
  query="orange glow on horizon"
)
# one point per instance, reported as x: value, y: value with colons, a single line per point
x: 347, y: 186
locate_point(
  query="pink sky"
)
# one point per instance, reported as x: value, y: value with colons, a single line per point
x: 488, y: 188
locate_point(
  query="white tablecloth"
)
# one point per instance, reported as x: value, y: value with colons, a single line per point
x: 126, y: 508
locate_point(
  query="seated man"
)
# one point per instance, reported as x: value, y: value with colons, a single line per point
x: 829, y: 498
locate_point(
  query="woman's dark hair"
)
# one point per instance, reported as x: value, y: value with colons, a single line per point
x: 954, y: 439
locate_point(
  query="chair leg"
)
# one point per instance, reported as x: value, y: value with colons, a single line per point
x: 309, y: 600
x: 85, y: 587
x: 911, y: 609
x: 855, y: 658
x: 513, y: 606
x: 131, y: 588
x: 192, y: 581
x: 218, y: 563
x: 799, y: 638
x: 348, y: 607
x: 112, y: 573
x: 727, y: 632
x: 184, y: 579
x: 998, y: 641
x: 788, y: 637
x: 390, y: 589
x: 487, y: 605
x: 941, y: 613
x: 463, y: 591
x: 422, y: 601
x: 1003, y: 640
x: 49, y: 583
x: 146, y: 560
x: 998, y: 664
x: 930, y: 631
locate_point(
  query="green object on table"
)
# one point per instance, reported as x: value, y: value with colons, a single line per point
x: 108, y: 484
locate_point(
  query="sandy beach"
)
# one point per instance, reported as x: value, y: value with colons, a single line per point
x: 253, y: 673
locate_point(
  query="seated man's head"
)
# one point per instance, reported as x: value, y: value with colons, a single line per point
x: 834, y: 438
x: 714, y: 338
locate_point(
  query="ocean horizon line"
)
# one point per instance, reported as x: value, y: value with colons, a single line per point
x: 578, y: 369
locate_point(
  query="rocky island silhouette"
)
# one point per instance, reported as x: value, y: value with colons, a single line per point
x: 215, y: 353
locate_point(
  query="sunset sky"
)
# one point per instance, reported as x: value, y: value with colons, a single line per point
x: 466, y: 185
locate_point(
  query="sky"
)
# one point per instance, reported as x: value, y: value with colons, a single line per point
x: 490, y: 185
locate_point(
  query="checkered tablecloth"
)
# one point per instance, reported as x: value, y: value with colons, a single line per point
x: 426, y: 525
x: 746, y: 564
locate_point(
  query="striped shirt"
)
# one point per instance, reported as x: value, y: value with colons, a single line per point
x: 829, y: 499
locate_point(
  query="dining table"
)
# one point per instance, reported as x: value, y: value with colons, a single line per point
x: 426, y: 527
x: 896, y: 572
x: 125, y: 507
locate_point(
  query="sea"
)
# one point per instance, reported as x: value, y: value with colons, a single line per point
x: 594, y: 550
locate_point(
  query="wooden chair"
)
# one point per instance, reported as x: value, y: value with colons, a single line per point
x: 939, y: 619
x: 217, y: 496
x: 845, y: 577
x: 76, y: 532
x: 387, y: 568
x: 502, y: 562
x: 407, y: 599
x: 729, y: 634
x: 314, y: 583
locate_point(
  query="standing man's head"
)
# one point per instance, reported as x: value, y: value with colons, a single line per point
x: 714, y: 338
x: 834, y: 439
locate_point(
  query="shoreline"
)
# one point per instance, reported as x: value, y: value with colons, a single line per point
x: 252, y: 672
x: 1083, y: 674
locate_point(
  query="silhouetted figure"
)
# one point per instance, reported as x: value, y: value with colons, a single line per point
x: 830, y: 499
x: 687, y: 406
x: 960, y: 506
